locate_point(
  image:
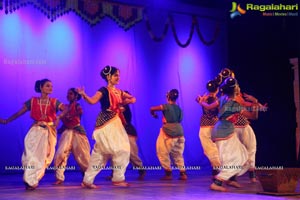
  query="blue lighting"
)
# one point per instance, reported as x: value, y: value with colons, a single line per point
x: 11, y: 34
x: 187, y: 65
x: 60, y: 43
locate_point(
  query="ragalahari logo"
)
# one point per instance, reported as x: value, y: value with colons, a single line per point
x: 236, y: 10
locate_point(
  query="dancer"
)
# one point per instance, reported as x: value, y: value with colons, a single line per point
x: 73, y: 138
x: 170, y: 141
x: 111, y: 140
x: 233, y: 154
x: 244, y: 130
x: 242, y: 125
x: 40, y: 140
x: 135, y: 160
x: 210, y: 107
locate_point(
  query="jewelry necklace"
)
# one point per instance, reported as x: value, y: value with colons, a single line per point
x: 44, y: 116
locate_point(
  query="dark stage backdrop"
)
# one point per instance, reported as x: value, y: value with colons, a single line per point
x: 71, y: 54
x: 259, y: 52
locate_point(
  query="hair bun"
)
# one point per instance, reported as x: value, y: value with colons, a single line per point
x: 225, y: 73
x: 37, y: 86
x: 212, y: 86
x: 218, y: 79
x: 173, y: 94
x: 231, y: 82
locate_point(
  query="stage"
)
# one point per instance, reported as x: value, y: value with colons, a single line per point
x: 196, y: 187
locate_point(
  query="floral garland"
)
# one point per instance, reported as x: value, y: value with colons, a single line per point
x: 216, y: 34
x: 175, y: 34
x: 149, y: 29
x: 170, y: 21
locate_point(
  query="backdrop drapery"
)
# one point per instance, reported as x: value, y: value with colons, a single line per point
x: 126, y: 16
x: 71, y: 53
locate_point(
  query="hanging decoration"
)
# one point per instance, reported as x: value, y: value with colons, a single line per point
x: 91, y: 11
x: 149, y: 29
x: 175, y: 34
x: 216, y: 34
x: 170, y: 21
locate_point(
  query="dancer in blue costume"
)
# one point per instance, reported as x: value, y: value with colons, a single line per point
x: 233, y: 154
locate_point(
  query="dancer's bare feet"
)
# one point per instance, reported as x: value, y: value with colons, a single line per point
x: 253, y: 180
x: 58, y: 182
x: 252, y: 176
x: 121, y: 183
x: 142, y: 174
x: 216, y: 187
x: 233, y: 184
x: 166, y: 178
x: 30, y: 187
x: 89, y: 186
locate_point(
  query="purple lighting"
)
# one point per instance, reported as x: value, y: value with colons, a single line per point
x: 71, y: 53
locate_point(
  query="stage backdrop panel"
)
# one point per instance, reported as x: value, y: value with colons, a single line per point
x: 71, y: 53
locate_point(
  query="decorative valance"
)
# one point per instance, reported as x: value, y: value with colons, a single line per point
x: 194, y: 24
x: 91, y: 11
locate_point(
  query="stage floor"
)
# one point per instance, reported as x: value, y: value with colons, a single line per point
x: 196, y: 187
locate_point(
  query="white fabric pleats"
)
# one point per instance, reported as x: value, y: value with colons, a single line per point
x: 38, y: 153
x: 248, y: 138
x: 71, y: 142
x: 166, y: 147
x: 233, y: 157
x: 209, y: 147
x: 111, y: 143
